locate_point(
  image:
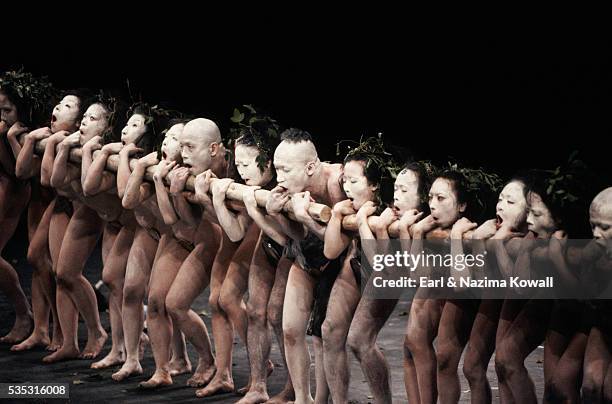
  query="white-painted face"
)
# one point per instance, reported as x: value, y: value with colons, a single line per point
x: 355, y: 184
x: 65, y: 114
x: 134, y: 129
x: 94, y: 122
x: 512, y: 206
x: 196, y: 155
x: 405, y: 192
x: 8, y: 111
x: 443, y: 204
x: 539, y: 217
x: 171, y: 148
x: 291, y: 169
x: 246, y: 164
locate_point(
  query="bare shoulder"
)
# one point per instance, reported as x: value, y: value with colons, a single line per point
x: 334, y: 188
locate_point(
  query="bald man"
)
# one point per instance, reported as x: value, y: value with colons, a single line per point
x: 302, y: 177
x: 597, y: 379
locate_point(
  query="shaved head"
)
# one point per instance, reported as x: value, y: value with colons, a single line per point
x: 205, y: 129
x: 601, y: 216
x: 199, y: 141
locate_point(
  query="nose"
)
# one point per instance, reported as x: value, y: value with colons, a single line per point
x: 597, y: 233
x: 124, y: 131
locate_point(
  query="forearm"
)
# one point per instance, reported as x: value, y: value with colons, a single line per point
x: 184, y: 210
x: 163, y: 201
x: 93, y: 173
x: 48, y: 161
x: 23, y: 166
x: 15, y: 145
x: 228, y: 221
x: 334, y: 240
x: 60, y: 168
x: 6, y: 160
x: 132, y: 193
x: 292, y: 229
x: 313, y: 226
x: 123, y: 174
x: 268, y: 225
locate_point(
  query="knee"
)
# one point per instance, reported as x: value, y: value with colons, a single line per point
x: 65, y: 281
x: 473, y: 370
x: 275, y: 316
x: 109, y: 280
x: 505, y: 362
x: 256, y: 314
x: 332, y: 335
x: 35, y: 258
x: 357, y: 342
x: 446, y: 357
x: 227, y: 300
x: 555, y: 392
x: 408, y: 349
x: 293, y: 335
x: 175, y: 308
x: 132, y: 294
x: 156, y: 305
x: 214, y: 304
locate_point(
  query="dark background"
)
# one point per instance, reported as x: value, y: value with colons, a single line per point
x: 504, y: 104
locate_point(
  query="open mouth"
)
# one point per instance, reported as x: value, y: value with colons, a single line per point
x: 187, y: 165
x: 498, y: 221
x: 53, y: 118
x: 164, y: 155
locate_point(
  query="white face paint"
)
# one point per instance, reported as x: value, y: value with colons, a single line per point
x: 405, y: 192
x: 539, y: 218
x: 601, y: 224
x: 512, y: 206
x: 171, y: 148
x: 65, y: 114
x: 443, y: 203
x: 291, y: 169
x: 134, y: 129
x: 8, y: 111
x: 355, y: 184
x: 94, y: 122
x: 246, y: 164
x: 196, y: 155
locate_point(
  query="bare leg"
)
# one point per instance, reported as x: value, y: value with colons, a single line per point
x: 524, y: 335
x: 113, y: 276
x: 275, y: 319
x: 454, y: 331
x: 193, y: 277
x: 480, y: 349
x: 138, y: 272
x: 422, y: 329
x: 79, y: 241
x: 296, y: 312
x: 343, y: 301
x: 597, y: 359
x: 322, y: 388
x: 14, y: 198
x: 370, y: 316
x: 510, y: 310
x: 168, y: 260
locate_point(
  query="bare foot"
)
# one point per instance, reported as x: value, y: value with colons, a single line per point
x: 112, y: 359
x: 144, y: 341
x: 35, y: 339
x: 254, y: 397
x: 128, y: 369
x: 57, y: 339
x: 94, y: 346
x: 202, y: 376
x: 284, y: 397
x: 216, y: 386
x: 159, y: 378
x: 62, y: 354
x: 269, y: 369
x: 20, y: 331
x: 179, y: 366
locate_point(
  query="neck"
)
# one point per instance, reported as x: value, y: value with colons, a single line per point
x: 317, y: 185
x: 219, y: 165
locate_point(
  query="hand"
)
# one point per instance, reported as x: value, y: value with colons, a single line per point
x: 462, y: 226
x: 17, y: 129
x: 423, y: 226
x: 485, y: 230
x: 277, y: 200
x: 219, y: 189
x: 300, y: 202
x: 248, y: 197
x: 343, y: 208
x: 112, y: 148
x: 130, y: 149
x: 146, y: 161
x: 366, y: 210
x: 41, y: 133
x: 556, y: 246
x: 409, y: 218
x: 387, y: 217
x: 506, y: 233
x: 95, y: 143
x: 72, y: 140
x: 162, y: 169
x: 202, y: 184
x: 178, y: 180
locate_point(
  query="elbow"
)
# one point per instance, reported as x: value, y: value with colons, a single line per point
x: 234, y: 238
x: 21, y: 173
x: 330, y: 253
x: 88, y: 188
x: 170, y: 220
x: 127, y: 202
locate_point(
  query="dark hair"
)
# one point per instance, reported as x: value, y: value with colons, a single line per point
x: 294, y: 135
x: 85, y: 96
x: 424, y: 183
x: 374, y: 176
x: 461, y: 189
x: 264, y: 144
x: 570, y: 217
x: 160, y: 139
x: 29, y: 113
x: 148, y: 140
